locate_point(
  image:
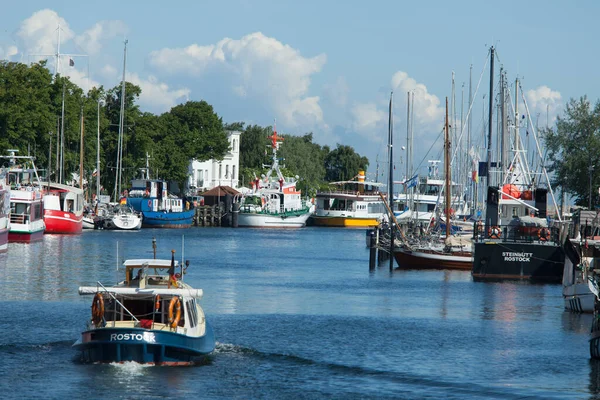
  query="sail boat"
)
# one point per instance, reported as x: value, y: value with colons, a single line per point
x: 450, y: 252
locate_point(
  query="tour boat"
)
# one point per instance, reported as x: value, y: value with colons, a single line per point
x: 273, y: 203
x: 26, y: 205
x: 152, y: 317
x: 63, y: 208
x: 355, y: 203
x: 158, y: 207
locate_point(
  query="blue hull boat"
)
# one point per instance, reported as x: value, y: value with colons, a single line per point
x: 149, y: 318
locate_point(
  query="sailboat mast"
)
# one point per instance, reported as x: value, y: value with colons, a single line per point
x: 81, y: 153
x: 447, y: 193
x: 490, y: 115
x: 121, y: 119
x: 391, y: 180
x: 98, y: 154
x: 62, y: 136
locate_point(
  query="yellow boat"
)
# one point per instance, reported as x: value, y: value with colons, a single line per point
x: 353, y: 204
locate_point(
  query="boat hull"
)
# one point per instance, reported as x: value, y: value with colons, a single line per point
x: 4, y: 239
x: 345, y: 222
x: 144, y: 346
x: 433, y: 260
x: 161, y: 219
x: 25, y: 236
x: 256, y: 220
x: 504, y: 260
x: 58, y: 221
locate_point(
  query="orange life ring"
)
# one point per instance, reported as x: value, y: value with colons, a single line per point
x: 157, y: 303
x: 97, y: 309
x: 174, y: 312
x: 494, y: 232
x: 544, y: 234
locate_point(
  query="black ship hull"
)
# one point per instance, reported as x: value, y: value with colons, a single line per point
x: 534, y: 262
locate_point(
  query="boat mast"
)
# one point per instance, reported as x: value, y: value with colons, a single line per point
x: 62, y: 135
x: 448, y: 194
x: 121, y: 119
x: 98, y: 155
x: 391, y: 180
x: 490, y: 115
x: 81, y: 153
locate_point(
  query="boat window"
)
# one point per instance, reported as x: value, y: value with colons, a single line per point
x: 192, y: 314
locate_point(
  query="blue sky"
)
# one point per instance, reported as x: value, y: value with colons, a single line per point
x: 321, y: 66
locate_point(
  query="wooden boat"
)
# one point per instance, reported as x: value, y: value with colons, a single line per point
x: 152, y: 317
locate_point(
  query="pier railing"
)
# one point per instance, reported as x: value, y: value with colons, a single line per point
x: 516, y: 233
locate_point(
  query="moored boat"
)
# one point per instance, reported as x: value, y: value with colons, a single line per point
x: 122, y: 217
x: 63, y: 208
x: 152, y: 317
x: 355, y: 203
x: 4, y: 212
x: 159, y: 209
x: 26, y: 205
x: 273, y: 203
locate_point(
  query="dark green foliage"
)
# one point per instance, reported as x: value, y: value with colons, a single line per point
x: 343, y: 164
x: 573, y: 147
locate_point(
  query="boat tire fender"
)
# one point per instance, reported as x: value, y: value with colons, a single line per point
x: 494, y: 232
x: 97, y: 308
x: 544, y: 234
x: 157, y: 303
x: 174, y: 312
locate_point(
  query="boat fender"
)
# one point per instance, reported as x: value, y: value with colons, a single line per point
x: 494, y: 232
x: 174, y: 312
x: 544, y: 234
x: 157, y: 303
x: 97, y: 309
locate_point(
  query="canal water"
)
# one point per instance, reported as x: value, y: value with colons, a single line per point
x: 297, y: 314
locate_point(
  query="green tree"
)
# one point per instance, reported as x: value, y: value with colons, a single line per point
x: 343, y: 163
x: 574, y: 150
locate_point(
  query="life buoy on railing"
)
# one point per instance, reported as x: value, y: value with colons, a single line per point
x: 544, y: 234
x: 494, y: 232
x: 157, y: 303
x: 97, y: 309
x: 174, y: 312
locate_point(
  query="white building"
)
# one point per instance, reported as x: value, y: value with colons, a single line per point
x: 206, y: 175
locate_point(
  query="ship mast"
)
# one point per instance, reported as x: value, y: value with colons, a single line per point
x: 447, y: 192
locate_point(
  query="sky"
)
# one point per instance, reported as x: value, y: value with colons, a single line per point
x: 326, y: 67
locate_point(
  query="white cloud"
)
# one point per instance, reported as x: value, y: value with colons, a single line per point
x: 157, y: 96
x: 544, y: 102
x: 427, y: 109
x: 38, y: 34
x: 256, y: 68
x: 91, y: 40
x: 8, y: 52
x: 366, y: 118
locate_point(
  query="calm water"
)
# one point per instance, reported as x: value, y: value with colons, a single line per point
x: 297, y: 314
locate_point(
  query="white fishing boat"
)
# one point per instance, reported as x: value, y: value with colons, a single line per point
x: 152, y: 317
x: 273, y: 203
x: 26, y: 204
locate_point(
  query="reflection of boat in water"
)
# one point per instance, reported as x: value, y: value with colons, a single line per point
x: 273, y: 203
x: 26, y: 204
x: 152, y: 317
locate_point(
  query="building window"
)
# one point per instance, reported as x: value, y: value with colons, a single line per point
x: 233, y: 172
x: 227, y: 171
x: 220, y: 171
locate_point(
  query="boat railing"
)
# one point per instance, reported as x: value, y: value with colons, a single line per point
x: 512, y: 233
x: 349, y: 192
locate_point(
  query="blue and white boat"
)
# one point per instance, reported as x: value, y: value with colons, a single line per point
x: 159, y: 208
x: 149, y: 318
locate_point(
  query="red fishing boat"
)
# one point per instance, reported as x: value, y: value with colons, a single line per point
x: 63, y: 208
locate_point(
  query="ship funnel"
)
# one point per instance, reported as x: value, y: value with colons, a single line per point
x: 361, y: 176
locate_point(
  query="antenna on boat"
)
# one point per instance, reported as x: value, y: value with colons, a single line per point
x: 154, y: 246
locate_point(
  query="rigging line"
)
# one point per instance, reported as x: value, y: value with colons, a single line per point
x: 519, y: 145
x: 462, y: 130
x: 428, y: 151
x: 537, y: 145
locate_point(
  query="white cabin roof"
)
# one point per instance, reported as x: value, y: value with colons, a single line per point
x: 186, y: 292
x: 152, y: 263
